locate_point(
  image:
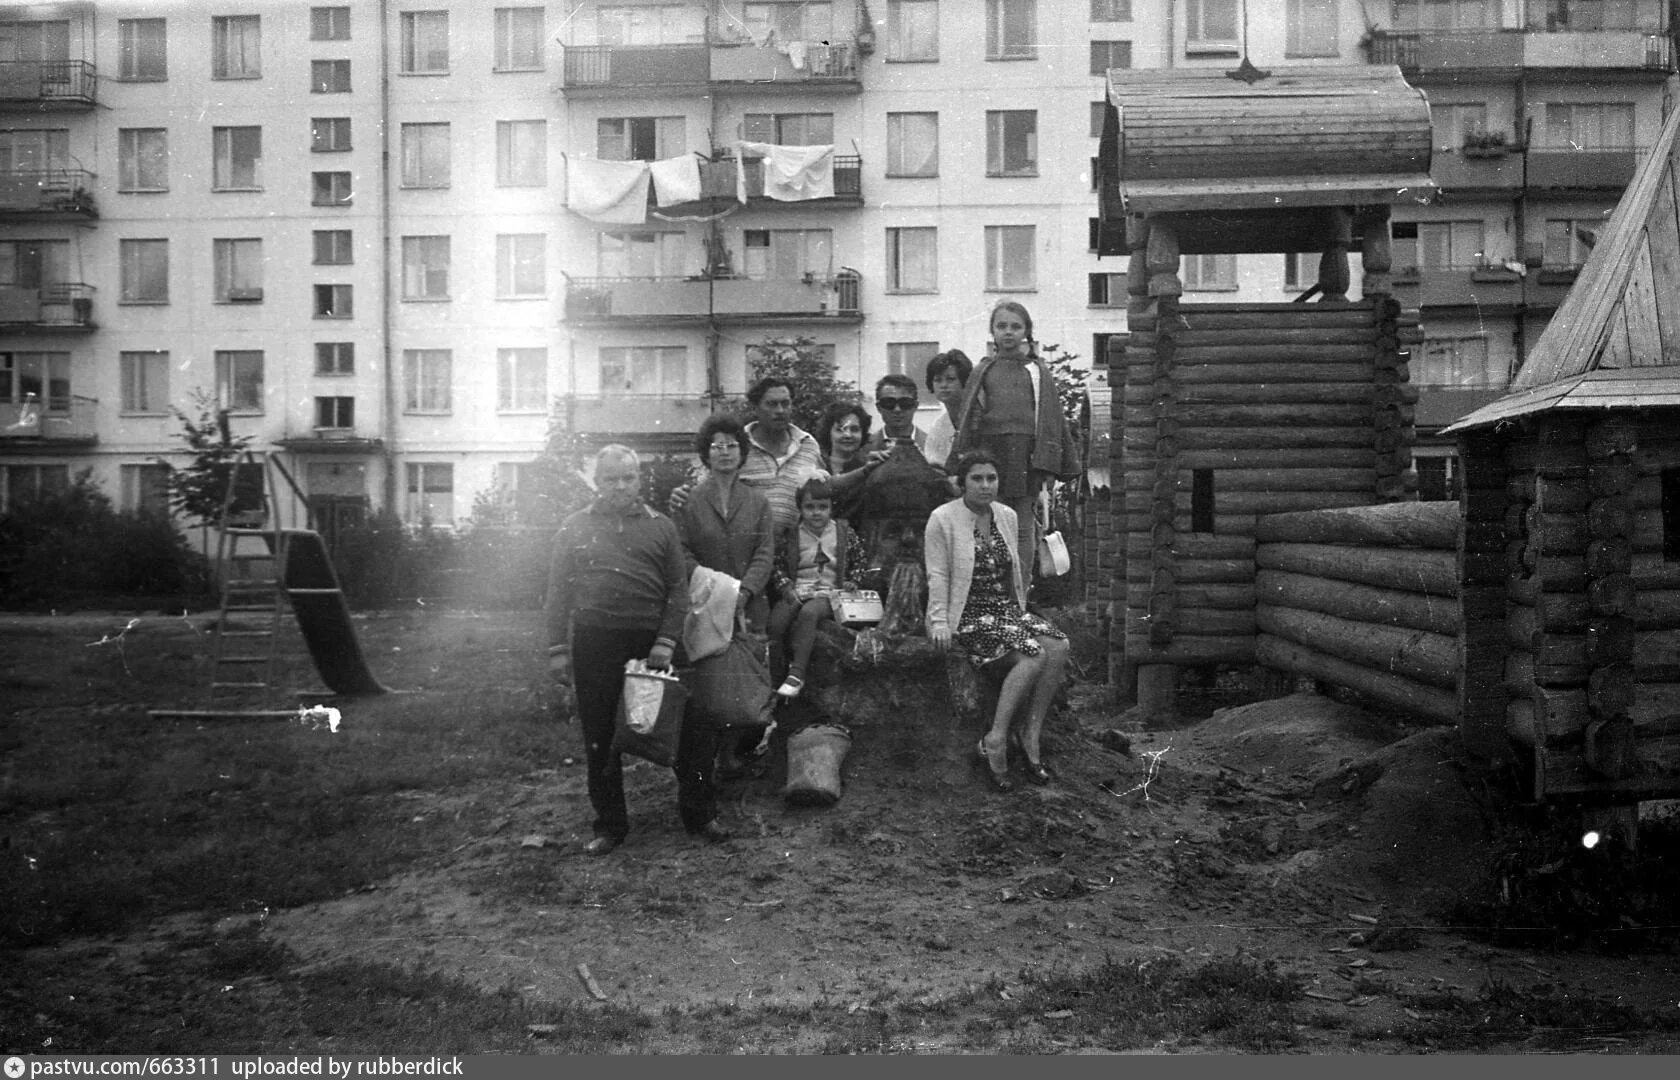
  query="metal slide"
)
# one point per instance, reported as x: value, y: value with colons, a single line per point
x: 323, y: 616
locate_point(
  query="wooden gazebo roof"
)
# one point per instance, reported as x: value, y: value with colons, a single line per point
x: 1615, y: 340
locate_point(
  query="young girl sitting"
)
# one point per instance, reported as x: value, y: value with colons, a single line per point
x: 815, y: 558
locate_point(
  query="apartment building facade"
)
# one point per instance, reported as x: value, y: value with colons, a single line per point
x: 356, y: 225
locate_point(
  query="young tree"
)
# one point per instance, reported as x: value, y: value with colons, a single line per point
x: 802, y: 363
x: 199, y: 490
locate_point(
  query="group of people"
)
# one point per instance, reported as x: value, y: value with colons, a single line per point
x: 795, y: 517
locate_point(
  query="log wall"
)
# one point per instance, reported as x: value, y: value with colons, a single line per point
x: 1365, y: 598
x: 1289, y: 407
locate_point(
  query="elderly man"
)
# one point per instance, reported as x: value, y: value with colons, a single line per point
x: 618, y: 591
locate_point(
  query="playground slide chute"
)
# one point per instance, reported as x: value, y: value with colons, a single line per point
x: 324, y: 617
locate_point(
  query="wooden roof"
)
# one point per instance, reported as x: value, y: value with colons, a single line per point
x: 1615, y: 340
x: 1199, y: 139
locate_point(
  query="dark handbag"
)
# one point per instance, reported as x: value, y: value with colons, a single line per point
x: 655, y: 704
x: 732, y: 688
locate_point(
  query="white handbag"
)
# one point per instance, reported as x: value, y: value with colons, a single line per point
x: 1053, y: 557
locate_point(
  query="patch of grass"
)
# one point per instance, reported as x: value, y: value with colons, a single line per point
x: 1538, y: 1018
x: 113, y: 818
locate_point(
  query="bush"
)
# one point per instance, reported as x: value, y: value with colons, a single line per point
x: 382, y: 562
x: 72, y: 547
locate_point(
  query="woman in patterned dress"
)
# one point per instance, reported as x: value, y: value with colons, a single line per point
x: 976, y: 599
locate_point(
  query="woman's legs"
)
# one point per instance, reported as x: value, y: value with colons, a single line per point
x: 1047, y: 680
x: 1015, y: 691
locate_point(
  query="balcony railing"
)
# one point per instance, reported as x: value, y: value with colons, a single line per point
x: 793, y: 62
x: 650, y: 414
x: 1590, y: 167
x: 588, y: 66
x: 68, y: 419
x: 1424, y: 51
x: 700, y: 297
x: 718, y: 181
x: 51, y: 191
x: 1474, y: 286
x: 1456, y: 169
x: 68, y: 83
x: 64, y: 306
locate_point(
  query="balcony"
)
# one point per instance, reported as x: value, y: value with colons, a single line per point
x: 718, y: 180
x: 1428, y: 52
x: 330, y: 441
x: 62, y: 423
x: 1548, y: 285
x: 796, y: 66
x: 1480, y: 287
x: 628, y: 415
x: 47, y: 193
x: 65, y: 308
x: 654, y: 300
x: 1564, y: 167
x: 48, y: 84
x: 604, y: 70
x: 1454, y: 170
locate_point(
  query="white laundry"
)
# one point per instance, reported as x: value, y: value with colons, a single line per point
x: 612, y: 192
x: 676, y: 180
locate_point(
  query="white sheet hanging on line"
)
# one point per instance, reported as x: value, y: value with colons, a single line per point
x: 794, y: 173
x: 676, y: 180
x: 611, y: 192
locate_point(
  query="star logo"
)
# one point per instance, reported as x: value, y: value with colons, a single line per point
x: 14, y: 1067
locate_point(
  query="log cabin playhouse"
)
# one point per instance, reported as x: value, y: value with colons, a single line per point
x: 1265, y: 511
x: 1227, y: 413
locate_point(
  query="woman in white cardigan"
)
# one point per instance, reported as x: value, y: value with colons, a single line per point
x: 977, y: 599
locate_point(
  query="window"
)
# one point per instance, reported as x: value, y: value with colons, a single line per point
x: 789, y: 129
x: 425, y: 267
x: 519, y: 39
x: 663, y: 24
x: 522, y: 153
x: 333, y: 302
x: 1110, y: 54
x: 34, y: 149
x: 639, y: 138
x: 141, y: 56
x: 1099, y: 349
x: 331, y: 188
x: 425, y: 42
x: 335, y: 412
x: 1438, y: 475
x: 431, y: 493
x: 1105, y: 290
x: 1099, y: 117
x: 913, y: 260
x: 329, y: 134
x: 238, y: 158
x: 783, y: 254
x: 1201, y: 500
x: 1591, y: 15
x: 145, y: 489
x: 1599, y: 125
x: 792, y: 20
x: 329, y: 24
x: 332, y: 247
x: 35, y: 41
x: 1210, y: 26
x: 913, y: 144
x: 239, y: 379
x: 1447, y: 14
x: 1209, y: 273
x: 521, y: 269
x: 1111, y: 10
x: 1453, y: 122
x: 145, y: 382
x: 425, y: 155
x: 1012, y: 29
x: 43, y: 377
x: 34, y: 264
x: 912, y: 30
x: 1009, y: 257
x: 145, y: 271
x: 1012, y: 142
x: 643, y: 254
x: 660, y: 370
x: 1300, y: 270
x: 335, y: 358
x: 236, y: 47
x: 22, y: 482
x: 910, y: 357
x: 238, y: 267
x: 426, y: 380
x: 329, y: 76
x: 521, y: 380
x: 1313, y: 29
x: 1443, y: 245
x: 1455, y: 361
x: 1570, y: 240
x: 142, y: 159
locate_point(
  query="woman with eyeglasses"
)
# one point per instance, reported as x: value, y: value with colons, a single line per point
x: 977, y: 600
x: 1012, y: 408
x: 725, y: 525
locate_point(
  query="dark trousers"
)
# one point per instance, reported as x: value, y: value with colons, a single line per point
x: 598, y: 658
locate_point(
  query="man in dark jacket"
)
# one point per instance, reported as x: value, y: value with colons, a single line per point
x: 618, y: 591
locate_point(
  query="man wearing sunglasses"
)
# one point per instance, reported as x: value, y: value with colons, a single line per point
x: 895, y: 400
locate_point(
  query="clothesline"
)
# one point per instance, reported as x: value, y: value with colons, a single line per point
x: 616, y: 192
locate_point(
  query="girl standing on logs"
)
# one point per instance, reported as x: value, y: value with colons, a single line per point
x: 1011, y: 407
x: 977, y: 598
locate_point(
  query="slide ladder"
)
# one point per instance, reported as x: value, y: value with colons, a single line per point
x: 250, y: 561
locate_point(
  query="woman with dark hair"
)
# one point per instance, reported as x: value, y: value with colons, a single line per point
x: 842, y: 433
x: 977, y: 593
x: 726, y: 525
x: 947, y: 377
x: 1012, y: 407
